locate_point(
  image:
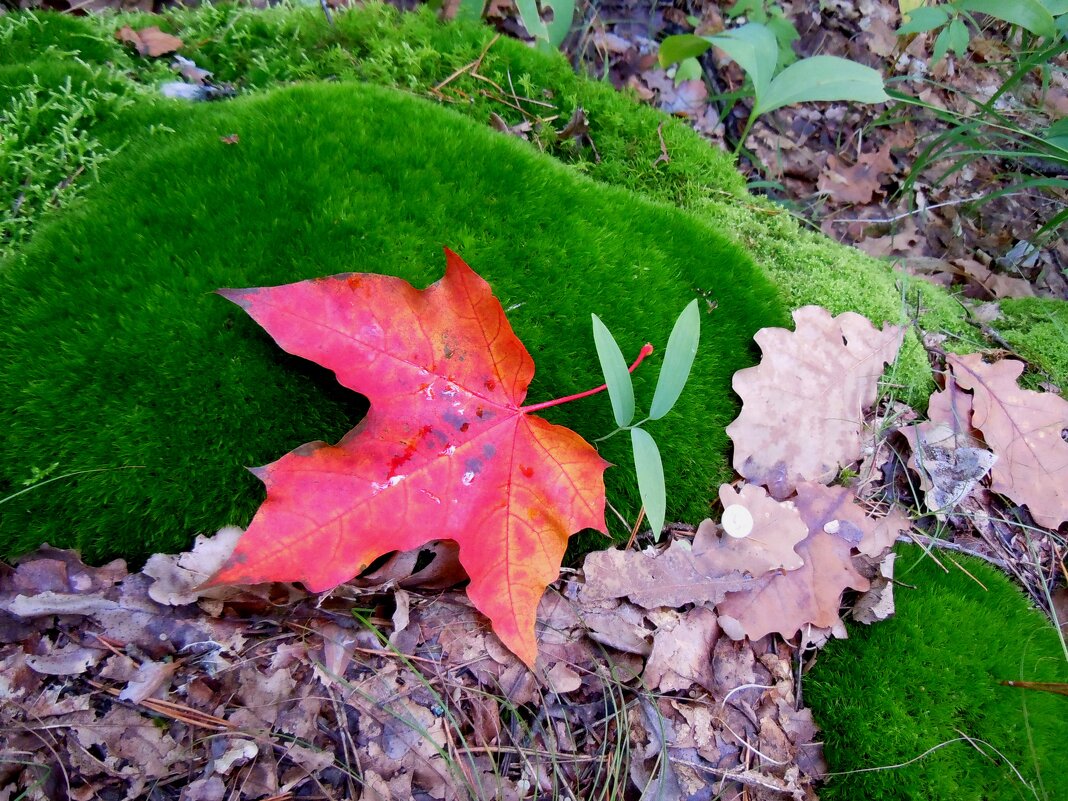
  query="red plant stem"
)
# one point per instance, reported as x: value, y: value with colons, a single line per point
x: 537, y: 407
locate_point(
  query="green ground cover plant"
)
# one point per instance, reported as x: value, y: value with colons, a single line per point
x: 180, y: 211
x: 255, y: 50
x: 1038, y: 329
x: 932, y: 674
x: 120, y: 359
x: 148, y: 370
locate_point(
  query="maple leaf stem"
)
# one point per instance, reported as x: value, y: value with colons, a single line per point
x: 537, y: 407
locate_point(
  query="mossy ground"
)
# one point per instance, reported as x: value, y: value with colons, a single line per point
x: 933, y: 674
x: 1038, y: 329
x: 123, y: 357
x: 327, y: 180
x: 116, y: 352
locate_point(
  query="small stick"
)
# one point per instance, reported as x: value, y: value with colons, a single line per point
x: 474, y: 65
x: 634, y: 531
x: 663, y: 157
x: 326, y: 11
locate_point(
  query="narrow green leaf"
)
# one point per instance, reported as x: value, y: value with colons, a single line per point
x: 677, y: 48
x: 616, y: 374
x: 823, y: 78
x: 959, y: 38
x: 1057, y: 134
x: 1028, y: 14
x: 470, y: 10
x: 563, y: 16
x: 689, y: 69
x: 751, y: 9
x: 924, y: 18
x: 532, y: 21
x: 678, y: 359
x: 754, y: 47
x: 941, y: 46
x: 650, y: 471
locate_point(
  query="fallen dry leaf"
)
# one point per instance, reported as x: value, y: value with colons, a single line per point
x: 878, y: 602
x: 178, y: 576
x: 150, y: 41
x: 949, y: 471
x: 773, y: 529
x: 672, y: 576
x: 991, y: 284
x: 681, y: 651
x: 260, y: 717
x: 858, y: 183
x: 521, y: 129
x: 808, y: 596
x: 834, y: 511
x: 802, y: 406
x: 1025, y: 429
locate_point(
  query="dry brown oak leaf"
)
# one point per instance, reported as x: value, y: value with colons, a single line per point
x: 653, y: 578
x: 857, y: 184
x: 1025, y: 429
x: 788, y: 602
x: 767, y: 544
x: 151, y: 42
x: 833, y: 510
x: 803, y: 405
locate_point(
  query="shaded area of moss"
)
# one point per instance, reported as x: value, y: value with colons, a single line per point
x: 1038, y: 329
x: 931, y: 675
x: 121, y: 356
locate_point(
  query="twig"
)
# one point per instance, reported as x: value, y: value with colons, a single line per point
x: 517, y: 98
x: 749, y: 778
x: 472, y: 66
x: 959, y: 201
x: 173, y: 709
x: 924, y: 540
x: 634, y: 531
x: 964, y: 570
x: 65, y: 183
x: 326, y: 11
x: 663, y: 157
x: 512, y: 749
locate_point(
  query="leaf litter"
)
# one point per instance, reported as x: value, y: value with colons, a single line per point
x: 267, y: 691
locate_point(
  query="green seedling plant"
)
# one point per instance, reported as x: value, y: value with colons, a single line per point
x: 755, y: 49
x: 774, y: 17
x: 678, y: 361
x: 1035, y: 151
x: 955, y: 21
x: 548, y: 36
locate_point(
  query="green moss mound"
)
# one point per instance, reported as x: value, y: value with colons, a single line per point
x: 157, y: 158
x: 1038, y: 329
x: 932, y: 674
x: 119, y: 355
x: 258, y: 50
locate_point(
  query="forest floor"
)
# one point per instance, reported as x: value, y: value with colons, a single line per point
x: 375, y: 698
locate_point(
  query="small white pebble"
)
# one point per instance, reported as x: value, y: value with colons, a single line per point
x: 832, y: 526
x: 737, y: 521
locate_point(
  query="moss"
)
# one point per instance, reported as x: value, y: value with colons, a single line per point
x: 145, y: 367
x: 1038, y: 329
x: 167, y: 201
x: 48, y: 37
x: 933, y: 674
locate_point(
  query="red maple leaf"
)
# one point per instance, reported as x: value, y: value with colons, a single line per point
x: 446, y: 451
